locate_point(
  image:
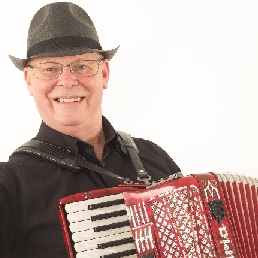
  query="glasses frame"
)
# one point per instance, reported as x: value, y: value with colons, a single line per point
x: 67, y: 65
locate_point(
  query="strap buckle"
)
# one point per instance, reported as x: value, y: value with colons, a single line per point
x: 144, y: 177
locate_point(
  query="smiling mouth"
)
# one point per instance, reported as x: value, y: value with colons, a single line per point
x: 69, y: 100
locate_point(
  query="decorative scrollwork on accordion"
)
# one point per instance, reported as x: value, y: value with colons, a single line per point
x: 201, y: 215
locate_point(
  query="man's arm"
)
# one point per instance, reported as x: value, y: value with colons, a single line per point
x: 7, y: 222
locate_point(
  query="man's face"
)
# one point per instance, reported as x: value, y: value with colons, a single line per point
x: 68, y: 100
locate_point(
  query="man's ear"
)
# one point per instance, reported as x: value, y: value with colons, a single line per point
x: 27, y: 78
x: 105, y: 73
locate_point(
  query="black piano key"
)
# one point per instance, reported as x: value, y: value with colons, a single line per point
x: 115, y: 243
x: 108, y: 215
x: 105, y: 204
x: 120, y: 254
x: 112, y: 226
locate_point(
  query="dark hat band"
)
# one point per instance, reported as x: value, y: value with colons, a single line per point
x: 62, y: 43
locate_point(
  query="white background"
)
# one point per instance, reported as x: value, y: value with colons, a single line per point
x: 184, y: 77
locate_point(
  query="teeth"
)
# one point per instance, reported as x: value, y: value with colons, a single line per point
x: 69, y: 100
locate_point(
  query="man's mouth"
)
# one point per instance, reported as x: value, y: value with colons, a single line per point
x: 69, y: 100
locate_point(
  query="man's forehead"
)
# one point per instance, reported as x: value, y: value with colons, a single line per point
x: 65, y: 59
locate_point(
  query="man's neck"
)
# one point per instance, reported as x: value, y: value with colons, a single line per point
x: 98, y: 143
x: 91, y: 133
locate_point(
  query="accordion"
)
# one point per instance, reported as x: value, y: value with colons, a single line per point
x: 200, y: 215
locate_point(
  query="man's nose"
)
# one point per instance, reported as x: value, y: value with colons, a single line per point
x: 66, y: 78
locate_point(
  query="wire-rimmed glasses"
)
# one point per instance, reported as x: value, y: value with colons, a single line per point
x: 51, y: 70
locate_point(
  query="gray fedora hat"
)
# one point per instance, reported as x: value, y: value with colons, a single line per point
x: 61, y: 29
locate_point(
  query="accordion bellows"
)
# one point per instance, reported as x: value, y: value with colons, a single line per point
x: 200, y: 215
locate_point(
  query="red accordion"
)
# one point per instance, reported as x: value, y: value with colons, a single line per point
x: 201, y: 215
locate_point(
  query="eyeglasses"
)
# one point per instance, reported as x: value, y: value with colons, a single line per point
x: 52, y: 70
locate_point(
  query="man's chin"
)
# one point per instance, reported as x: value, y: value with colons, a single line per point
x: 69, y: 123
x: 60, y: 124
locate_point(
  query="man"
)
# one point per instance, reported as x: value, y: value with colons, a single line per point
x: 65, y: 71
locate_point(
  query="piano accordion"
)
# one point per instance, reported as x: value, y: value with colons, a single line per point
x: 200, y: 215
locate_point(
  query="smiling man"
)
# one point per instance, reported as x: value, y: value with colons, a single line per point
x: 68, y: 94
x: 66, y: 71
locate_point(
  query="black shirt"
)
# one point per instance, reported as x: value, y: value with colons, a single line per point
x: 30, y: 189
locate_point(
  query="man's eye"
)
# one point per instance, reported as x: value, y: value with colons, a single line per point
x: 50, y: 69
x: 83, y: 67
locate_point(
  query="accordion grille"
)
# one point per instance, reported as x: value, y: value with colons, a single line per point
x: 179, y: 221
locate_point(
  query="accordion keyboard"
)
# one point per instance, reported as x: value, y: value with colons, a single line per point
x: 100, y: 228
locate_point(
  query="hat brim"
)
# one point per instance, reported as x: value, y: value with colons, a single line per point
x: 107, y: 54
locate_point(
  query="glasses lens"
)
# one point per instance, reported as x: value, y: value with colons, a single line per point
x: 84, y: 68
x: 47, y: 71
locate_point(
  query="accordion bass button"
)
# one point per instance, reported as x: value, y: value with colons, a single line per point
x: 217, y: 210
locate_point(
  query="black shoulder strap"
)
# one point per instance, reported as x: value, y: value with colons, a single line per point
x: 73, y: 161
x: 130, y: 148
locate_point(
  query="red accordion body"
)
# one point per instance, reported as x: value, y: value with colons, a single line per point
x: 201, y: 215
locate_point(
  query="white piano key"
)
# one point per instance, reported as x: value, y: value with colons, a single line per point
x: 83, y: 205
x: 85, y: 225
x: 86, y: 214
x: 90, y: 234
x: 96, y: 253
x: 93, y: 244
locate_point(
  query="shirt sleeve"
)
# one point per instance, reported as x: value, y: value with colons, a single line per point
x: 7, y: 222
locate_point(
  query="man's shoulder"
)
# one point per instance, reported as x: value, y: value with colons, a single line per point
x: 148, y: 148
x: 155, y: 157
x: 147, y: 145
x: 14, y: 163
x: 19, y: 163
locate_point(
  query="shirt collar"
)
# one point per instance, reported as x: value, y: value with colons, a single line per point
x: 52, y: 136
